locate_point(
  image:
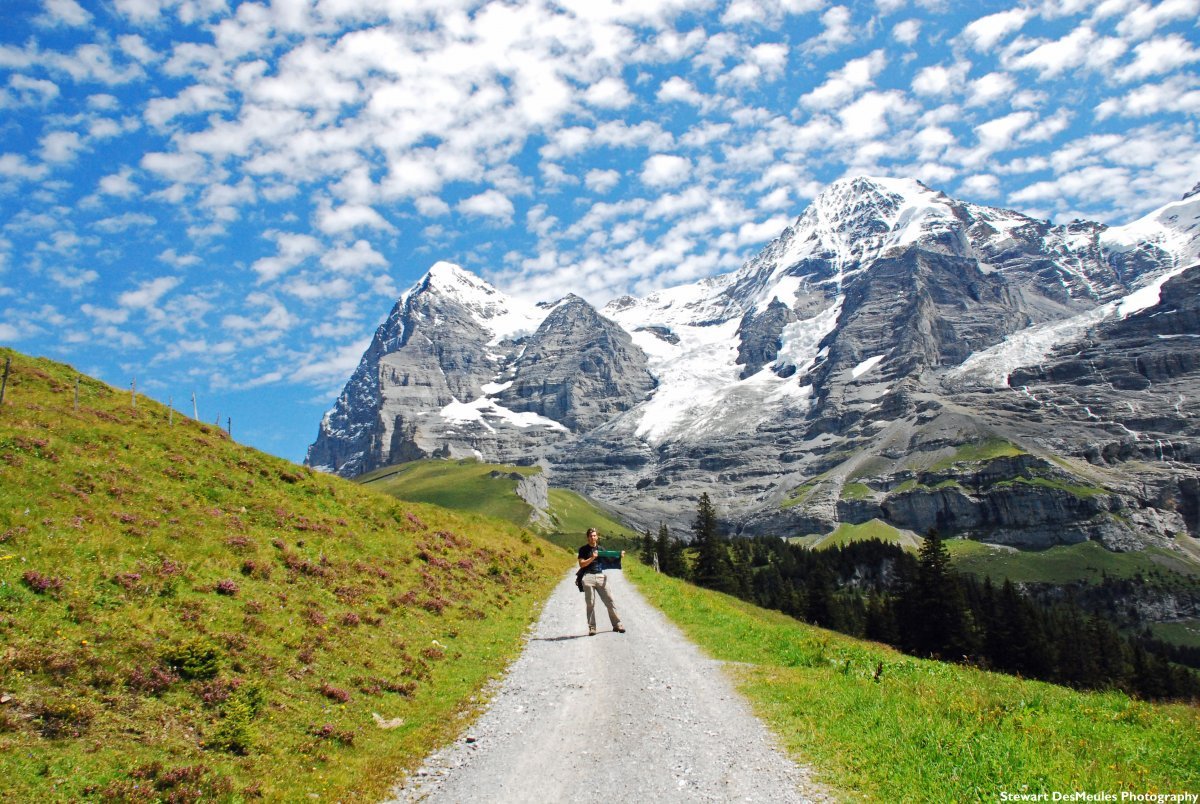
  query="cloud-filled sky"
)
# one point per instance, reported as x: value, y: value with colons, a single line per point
x: 226, y: 198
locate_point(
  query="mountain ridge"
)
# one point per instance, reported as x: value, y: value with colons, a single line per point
x: 855, y: 346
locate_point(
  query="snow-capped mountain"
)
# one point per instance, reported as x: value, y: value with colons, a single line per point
x: 860, y: 349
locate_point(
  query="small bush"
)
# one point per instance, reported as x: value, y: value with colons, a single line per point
x: 334, y: 693
x: 42, y: 584
x: 154, y: 681
x: 226, y: 587
x: 328, y: 732
x: 197, y: 658
x: 234, y: 733
x: 56, y: 719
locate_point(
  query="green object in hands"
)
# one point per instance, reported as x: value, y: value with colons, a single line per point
x: 609, y: 559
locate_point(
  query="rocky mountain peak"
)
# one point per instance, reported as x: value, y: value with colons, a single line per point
x: 875, y: 336
x: 1194, y: 191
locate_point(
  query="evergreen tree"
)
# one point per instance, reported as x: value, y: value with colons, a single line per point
x: 936, y: 619
x: 713, y: 567
x: 670, y: 553
x: 649, y: 549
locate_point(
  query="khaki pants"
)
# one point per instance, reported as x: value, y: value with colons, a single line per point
x: 596, y: 584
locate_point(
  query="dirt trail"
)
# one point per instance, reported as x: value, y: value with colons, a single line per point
x: 640, y: 716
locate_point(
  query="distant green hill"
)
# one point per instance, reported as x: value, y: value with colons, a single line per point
x: 184, y: 618
x: 490, y: 489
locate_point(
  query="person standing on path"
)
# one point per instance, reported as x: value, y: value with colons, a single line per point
x: 594, y: 583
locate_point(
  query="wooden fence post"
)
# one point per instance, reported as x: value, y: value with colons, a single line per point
x: 229, y: 425
x: 133, y: 394
x: 76, y: 394
x: 4, y: 384
x: 195, y: 414
x: 170, y: 411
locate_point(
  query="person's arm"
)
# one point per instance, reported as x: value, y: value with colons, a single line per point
x: 587, y: 562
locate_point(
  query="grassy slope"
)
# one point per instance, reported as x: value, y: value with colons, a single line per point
x: 464, y: 485
x: 467, y: 485
x: 128, y: 546
x: 928, y: 731
x: 1087, y: 561
x: 847, y: 533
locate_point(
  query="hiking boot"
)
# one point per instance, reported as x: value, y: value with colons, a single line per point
x: 620, y: 629
x: 591, y: 632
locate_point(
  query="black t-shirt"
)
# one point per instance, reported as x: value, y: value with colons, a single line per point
x: 585, y: 553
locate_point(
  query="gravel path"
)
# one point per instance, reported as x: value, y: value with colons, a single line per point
x: 640, y: 716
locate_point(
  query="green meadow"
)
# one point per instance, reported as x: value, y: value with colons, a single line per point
x: 878, y: 725
x: 183, y: 618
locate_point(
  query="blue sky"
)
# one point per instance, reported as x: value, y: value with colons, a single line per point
x: 226, y: 198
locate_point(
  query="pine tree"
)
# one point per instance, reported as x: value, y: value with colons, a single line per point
x: 936, y: 619
x: 670, y: 553
x: 713, y: 567
x: 649, y: 549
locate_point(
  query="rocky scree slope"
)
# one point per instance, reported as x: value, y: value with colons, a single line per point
x: 895, y: 354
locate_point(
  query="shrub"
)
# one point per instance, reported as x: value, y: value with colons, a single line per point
x: 153, y: 682
x: 42, y: 584
x: 328, y: 732
x: 57, y: 719
x: 197, y: 658
x: 234, y: 733
x: 226, y: 587
x: 334, y: 693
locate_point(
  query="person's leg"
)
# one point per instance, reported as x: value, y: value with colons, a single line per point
x: 602, y: 590
x: 589, y: 600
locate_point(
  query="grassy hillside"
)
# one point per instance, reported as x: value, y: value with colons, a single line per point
x: 183, y: 618
x: 1086, y: 561
x: 490, y: 489
x: 463, y: 485
x: 882, y: 726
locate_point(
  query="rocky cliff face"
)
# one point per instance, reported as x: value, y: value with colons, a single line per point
x: 895, y: 354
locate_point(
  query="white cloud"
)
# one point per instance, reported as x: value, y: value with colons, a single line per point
x: 127, y: 220
x: 845, y: 83
x: 61, y: 146
x: 430, y: 206
x: 991, y: 89
x: 488, y: 204
x: 1176, y: 94
x: 679, y: 89
x: 1001, y: 132
x: 64, y: 12
x: 665, y: 170
x: 1083, y: 47
x: 907, y: 32
x: 353, y: 259
x: 1144, y: 19
x: 119, y: 184
x: 870, y: 116
x: 148, y: 294
x: 985, y: 32
x: 27, y: 91
x: 837, y: 33
x: 176, y: 167
x: 73, y: 279
x: 1156, y: 56
x: 941, y: 80
x: 981, y: 185
x: 292, y: 248
x: 348, y: 217
x: 608, y: 93
x: 18, y: 167
x: 601, y: 181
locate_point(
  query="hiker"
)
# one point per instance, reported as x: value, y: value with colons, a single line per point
x: 594, y: 583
